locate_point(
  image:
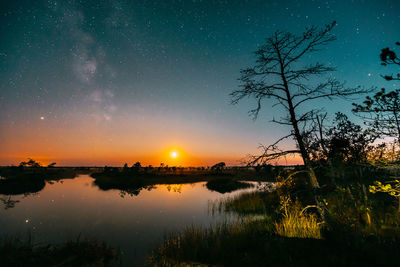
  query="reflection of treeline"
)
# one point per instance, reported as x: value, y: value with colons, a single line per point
x: 132, y: 179
x: 30, y: 177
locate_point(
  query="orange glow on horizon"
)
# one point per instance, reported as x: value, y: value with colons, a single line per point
x: 183, y: 160
x: 71, y: 147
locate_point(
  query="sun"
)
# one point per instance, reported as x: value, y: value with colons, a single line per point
x: 174, y: 154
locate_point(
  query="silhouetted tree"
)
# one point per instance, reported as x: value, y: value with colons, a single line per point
x: 136, y: 167
x: 382, y: 111
x: 106, y: 169
x: 347, y: 141
x: 125, y: 168
x: 389, y: 57
x: 218, y: 167
x: 279, y: 74
x: 30, y: 163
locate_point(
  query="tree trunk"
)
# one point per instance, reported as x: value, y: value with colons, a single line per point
x: 303, y: 151
x: 313, y: 178
x: 299, y: 138
x: 300, y: 142
x: 306, y: 159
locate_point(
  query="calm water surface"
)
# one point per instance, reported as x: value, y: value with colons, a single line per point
x: 135, y: 224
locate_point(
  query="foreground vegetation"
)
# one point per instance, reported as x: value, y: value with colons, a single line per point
x: 357, y: 225
x: 15, y: 252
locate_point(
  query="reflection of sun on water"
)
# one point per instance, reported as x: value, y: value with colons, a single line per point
x: 177, y: 188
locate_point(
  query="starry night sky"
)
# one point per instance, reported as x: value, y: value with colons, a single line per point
x: 108, y: 82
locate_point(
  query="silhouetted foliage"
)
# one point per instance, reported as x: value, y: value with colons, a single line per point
x: 389, y: 57
x: 125, y: 168
x: 382, y: 111
x: 218, y: 167
x: 347, y: 141
x: 30, y: 163
x: 136, y: 167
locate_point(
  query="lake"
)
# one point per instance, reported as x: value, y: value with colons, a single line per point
x: 70, y: 208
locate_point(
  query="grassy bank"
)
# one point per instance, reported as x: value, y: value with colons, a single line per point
x: 259, y: 244
x: 246, y: 203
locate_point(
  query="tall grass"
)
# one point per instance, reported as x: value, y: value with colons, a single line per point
x: 360, y: 228
x: 297, y: 223
x: 214, y: 244
x: 246, y: 203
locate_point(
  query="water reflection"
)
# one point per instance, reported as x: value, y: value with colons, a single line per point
x: 123, y: 219
x: 21, y: 180
x: 134, y: 191
x: 176, y: 188
x: 16, y: 187
x: 8, y: 202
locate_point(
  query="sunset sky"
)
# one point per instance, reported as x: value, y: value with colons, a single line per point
x: 108, y: 82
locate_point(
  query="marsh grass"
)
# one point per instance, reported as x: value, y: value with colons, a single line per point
x: 246, y: 203
x: 212, y: 246
x: 79, y: 252
x: 256, y: 243
x: 361, y: 229
x: 297, y: 223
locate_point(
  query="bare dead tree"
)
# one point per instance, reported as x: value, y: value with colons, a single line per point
x: 280, y: 74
